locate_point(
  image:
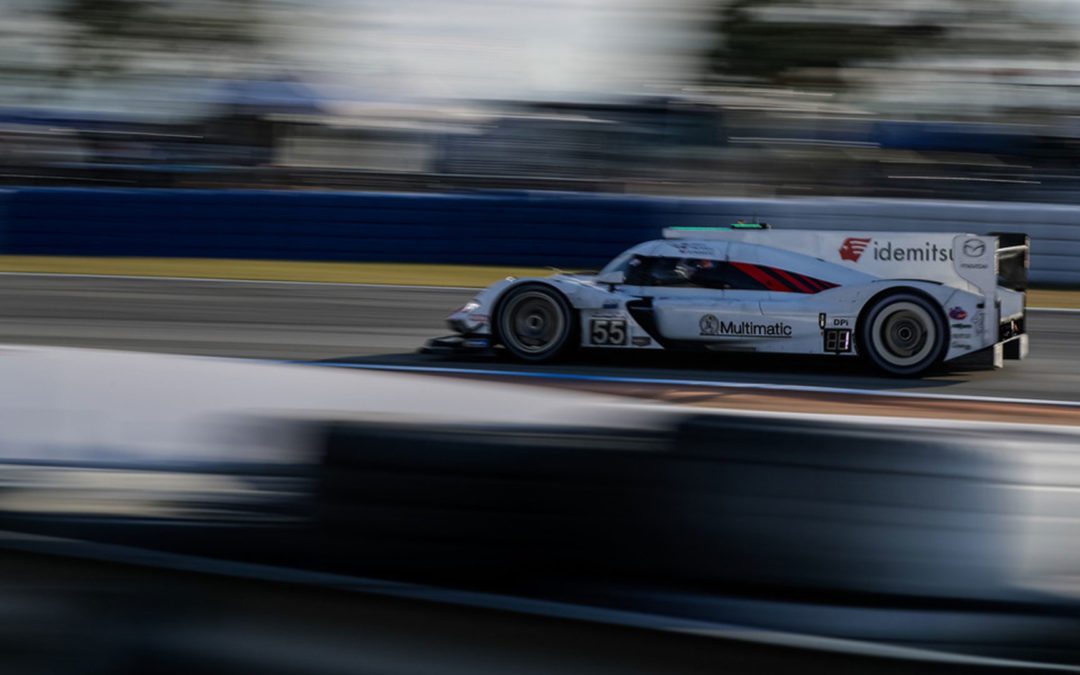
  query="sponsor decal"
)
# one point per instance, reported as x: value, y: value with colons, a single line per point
x: 853, y: 247
x: 974, y: 248
x: 641, y: 341
x: 963, y: 336
x: 958, y: 313
x: 714, y: 327
x: 886, y: 251
x: 611, y: 304
x: 695, y: 248
x: 962, y: 325
x: 709, y: 325
x: 821, y: 319
x: 928, y: 252
x: 961, y: 345
x: 841, y: 322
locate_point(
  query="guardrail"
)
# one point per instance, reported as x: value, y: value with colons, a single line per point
x: 566, y: 230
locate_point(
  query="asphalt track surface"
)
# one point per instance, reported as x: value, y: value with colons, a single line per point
x: 384, y: 326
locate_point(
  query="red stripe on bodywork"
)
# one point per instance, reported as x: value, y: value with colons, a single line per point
x: 794, y: 281
x: 762, y: 277
x: 825, y: 285
x: 817, y: 284
x: 775, y: 279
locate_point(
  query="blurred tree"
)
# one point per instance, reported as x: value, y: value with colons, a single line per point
x: 813, y: 40
x: 111, y: 37
x: 773, y: 39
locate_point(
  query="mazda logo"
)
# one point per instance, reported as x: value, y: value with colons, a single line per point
x: 974, y: 248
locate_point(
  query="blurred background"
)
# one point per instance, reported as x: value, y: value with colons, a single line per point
x: 167, y: 510
x: 949, y: 98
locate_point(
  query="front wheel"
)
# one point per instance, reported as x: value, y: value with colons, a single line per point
x: 536, y: 324
x: 903, y: 334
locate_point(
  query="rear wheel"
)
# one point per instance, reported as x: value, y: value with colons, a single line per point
x: 903, y: 334
x: 536, y: 324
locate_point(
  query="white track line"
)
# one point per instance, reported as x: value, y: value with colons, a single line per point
x: 874, y: 421
x: 712, y: 384
x: 1056, y: 310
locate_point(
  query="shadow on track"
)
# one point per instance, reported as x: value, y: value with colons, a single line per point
x: 769, y: 369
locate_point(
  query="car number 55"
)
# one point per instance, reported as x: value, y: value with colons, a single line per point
x: 608, y: 332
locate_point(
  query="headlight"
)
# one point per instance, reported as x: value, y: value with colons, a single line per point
x: 471, y: 306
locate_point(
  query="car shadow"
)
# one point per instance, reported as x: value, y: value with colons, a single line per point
x: 708, y: 368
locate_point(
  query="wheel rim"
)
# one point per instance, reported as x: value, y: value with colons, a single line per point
x: 904, y: 334
x: 533, y: 323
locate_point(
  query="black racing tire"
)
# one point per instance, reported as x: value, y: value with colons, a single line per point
x: 536, y: 324
x: 903, y: 334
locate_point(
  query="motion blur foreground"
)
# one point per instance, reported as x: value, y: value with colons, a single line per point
x: 234, y: 476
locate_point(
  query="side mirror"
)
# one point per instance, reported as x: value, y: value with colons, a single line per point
x: 613, y: 278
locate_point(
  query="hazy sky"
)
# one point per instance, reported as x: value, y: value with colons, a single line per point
x: 532, y: 48
x: 477, y: 48
x: 491, y: 48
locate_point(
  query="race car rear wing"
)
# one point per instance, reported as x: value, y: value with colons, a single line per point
x: 1013, y: 260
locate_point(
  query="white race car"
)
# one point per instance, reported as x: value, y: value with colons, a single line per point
x: 904, y: 301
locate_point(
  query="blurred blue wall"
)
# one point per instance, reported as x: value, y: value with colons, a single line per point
x: 497, y: 228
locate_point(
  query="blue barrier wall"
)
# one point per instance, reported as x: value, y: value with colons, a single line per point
x: 504, y: 228
x: 498, y: 229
